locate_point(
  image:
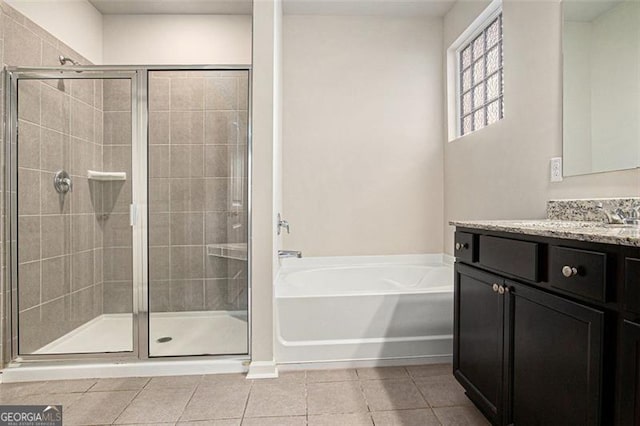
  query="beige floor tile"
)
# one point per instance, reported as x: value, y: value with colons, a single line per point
x: 429, y: 370
x: 156, y: 406
x: 216, y: 379
x: 97, y: 408
x: 9, y: 391
x: 151, y: 424
x: 335, y: 398
x: 174, y: 382
x: 284, y: 377
x: 219, y: 422
x: 69, y: 386
x: 275, y: 421
x: 392, y: 394
x: 279, y: 399
x: 351, y: 419
x: 442, y: 391
x: 421, y: 417
x: 378, y: 373
x: 120, y: 383
x: 64, y: 399
x: 460, y: 416
x: 225, y: 401
x: 339, y: 375
x: 237, y: 378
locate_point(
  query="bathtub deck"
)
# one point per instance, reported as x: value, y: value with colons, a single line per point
x: 416, y: 395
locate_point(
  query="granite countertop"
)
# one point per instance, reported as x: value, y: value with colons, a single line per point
x: 596, y: 232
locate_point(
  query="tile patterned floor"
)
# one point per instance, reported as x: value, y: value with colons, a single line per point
x: 422, y: 395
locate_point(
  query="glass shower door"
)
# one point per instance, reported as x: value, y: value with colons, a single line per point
x: 198, y: 212
x: 71, y: 181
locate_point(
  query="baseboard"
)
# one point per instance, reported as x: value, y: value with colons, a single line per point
x: 262, y: 370
x: 365, y: 363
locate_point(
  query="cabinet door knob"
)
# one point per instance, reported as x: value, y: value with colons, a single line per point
x: 495, y: 287
x: 501, y: 289
x: 569, y: 271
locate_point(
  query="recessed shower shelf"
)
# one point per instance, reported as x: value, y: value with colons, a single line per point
x: 237, y: 251
x: 106, y: 176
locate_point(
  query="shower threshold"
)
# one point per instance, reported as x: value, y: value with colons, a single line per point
x: 192, y: 333
x: 170, y: 334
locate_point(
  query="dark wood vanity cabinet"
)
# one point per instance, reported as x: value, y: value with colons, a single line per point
x: 629, y: 389
x: 526, y: 357
x: 479, y: 339
x: 553, y: 359
x: 533, y: 346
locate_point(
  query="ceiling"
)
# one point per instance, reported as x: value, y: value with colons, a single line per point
x: 292, y: 7
x: 368, y: 7
x: 173, y: 7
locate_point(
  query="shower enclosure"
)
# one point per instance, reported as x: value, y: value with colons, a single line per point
x: 127, y: 212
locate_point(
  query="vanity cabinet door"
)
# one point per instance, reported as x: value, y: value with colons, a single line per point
x: 553, y: 358
x: 478, y: 338
x: 629, y: 390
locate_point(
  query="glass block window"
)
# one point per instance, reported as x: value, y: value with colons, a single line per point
x: 481, y: 88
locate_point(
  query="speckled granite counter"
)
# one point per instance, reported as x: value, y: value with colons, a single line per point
x: 596, y: 232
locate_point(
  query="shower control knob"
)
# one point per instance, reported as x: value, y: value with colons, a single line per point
x: 62, y: 182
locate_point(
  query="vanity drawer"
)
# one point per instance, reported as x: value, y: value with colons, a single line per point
x: 581, y: 272
x: 632, y: 285
x: 515, y: 257
x: 465, y: 247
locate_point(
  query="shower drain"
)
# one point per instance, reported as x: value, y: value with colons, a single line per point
x: 164, y: 339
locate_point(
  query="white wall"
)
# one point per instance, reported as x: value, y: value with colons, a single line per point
x: 177, y: 39
x: 266, y: 21
x: 362, y: 147
x: 76, y: 22
x: 502, y: 171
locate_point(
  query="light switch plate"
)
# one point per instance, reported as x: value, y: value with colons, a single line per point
x: 556, y: 169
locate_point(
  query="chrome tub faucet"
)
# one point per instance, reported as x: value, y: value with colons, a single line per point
x: 284, y: 254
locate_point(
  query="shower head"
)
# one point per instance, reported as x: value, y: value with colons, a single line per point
x: 64, y: 60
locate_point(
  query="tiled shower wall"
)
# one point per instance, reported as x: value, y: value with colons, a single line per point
x: 64, y: 262
x: 116, y: 198
x: 60, y: 128
x: 197, y: 137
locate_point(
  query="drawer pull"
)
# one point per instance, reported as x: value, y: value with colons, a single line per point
x: 495, y: 288
x: 569, y: 271
x: 461, y: 246
x: 501, y: 289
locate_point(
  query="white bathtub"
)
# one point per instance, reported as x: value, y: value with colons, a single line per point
x: 364, y: 308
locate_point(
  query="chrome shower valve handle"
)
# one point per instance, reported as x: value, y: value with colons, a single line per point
x: 62, y: 182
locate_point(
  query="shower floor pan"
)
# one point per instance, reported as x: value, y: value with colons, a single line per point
x: 190, y: 333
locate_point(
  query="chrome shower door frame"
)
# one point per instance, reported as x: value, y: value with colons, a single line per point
x: 13, y: 75
x: 140, y: 185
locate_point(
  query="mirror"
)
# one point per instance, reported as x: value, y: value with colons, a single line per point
x: 601, y: 86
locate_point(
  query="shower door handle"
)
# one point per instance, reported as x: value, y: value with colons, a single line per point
x: 133, y: 214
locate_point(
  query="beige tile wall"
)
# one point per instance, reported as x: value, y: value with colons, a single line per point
x: 69, y: 245
x: 197, y: 127
x: 60, y: 250
x: 116, y: 198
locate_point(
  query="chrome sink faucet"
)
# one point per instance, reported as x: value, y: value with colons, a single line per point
x: 283, y: 254
x: 619, y: 216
